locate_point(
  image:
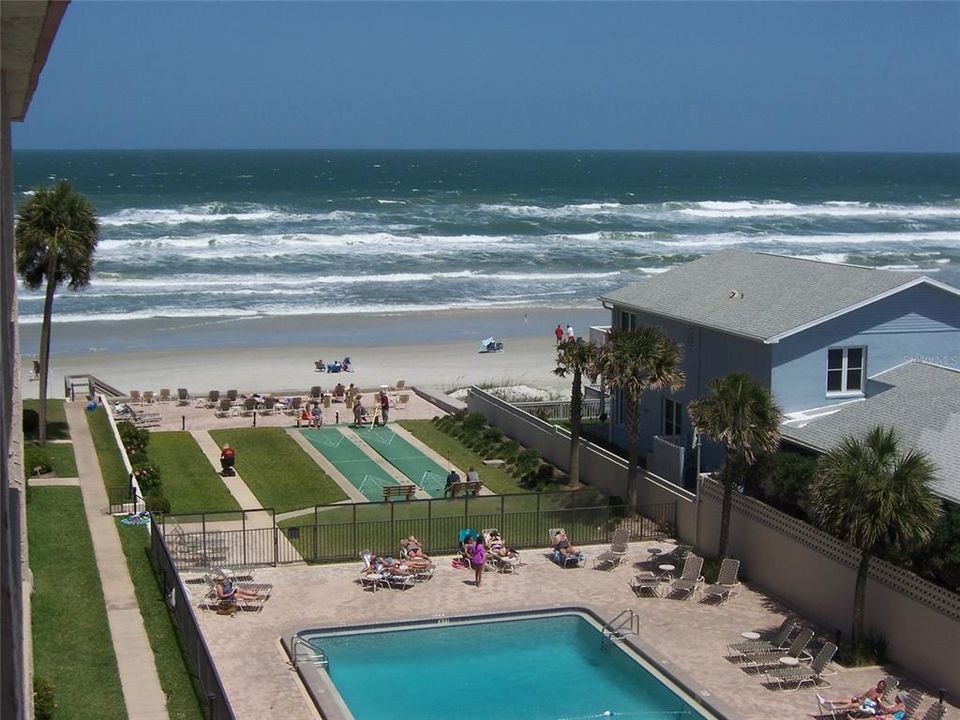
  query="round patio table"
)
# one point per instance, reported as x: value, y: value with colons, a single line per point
x: 789, y: 661
x: 750, y: 635
x: 667, y: 571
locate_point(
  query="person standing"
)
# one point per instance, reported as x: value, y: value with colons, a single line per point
x: 358, y: 410
x: 570, y: 335
x: 384, y: 407
x: 478, y: 555
x: 558, y: 332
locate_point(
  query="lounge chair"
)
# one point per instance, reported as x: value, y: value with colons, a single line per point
x: 370, y: 575
x: 213, y: 398
x: 269, y: 405
x: 500, y: 563
x: 183, y: 397
x: 797, y: 649
x: 225, y: 409
x: 690, y: 578
x: 831, y: 708
x: 647, y: 583
x: 934, y: 712
x: 727, y: 585
x: 564, y: 560
x: 164, y: 395
x: 779, y: 640
x: 148, y: 397
x: 401, y: 401
x: 233, y: 395
x: 249, y: 406
x: 617, y: 552
x: 802, y: 674
x: 398, y: 388
x: 294, y: 407
x: 135, y: 397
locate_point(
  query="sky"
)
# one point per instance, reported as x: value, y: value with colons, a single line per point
x: 824, y: 76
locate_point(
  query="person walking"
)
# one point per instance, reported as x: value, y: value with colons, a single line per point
x: 558, y: 333
x: 570, y: 335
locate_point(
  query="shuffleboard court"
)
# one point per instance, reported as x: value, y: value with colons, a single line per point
x: 406, y: 458
x: 365, y: 475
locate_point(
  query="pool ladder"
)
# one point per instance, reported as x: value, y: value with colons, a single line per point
x: 626, y: 623
x: 316, y: 656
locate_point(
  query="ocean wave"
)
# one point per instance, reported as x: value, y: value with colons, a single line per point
x: 215, y: 213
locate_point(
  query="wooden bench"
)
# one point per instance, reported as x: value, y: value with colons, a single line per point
x: 467, y: 488
x: 390, y: 491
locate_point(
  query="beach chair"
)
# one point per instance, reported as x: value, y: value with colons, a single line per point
x: 269, y: 405
x: 249, y: 406
x: 564, y: 561
x: 294, y: 407
x: 232, y: 395
x: 183, y: 397
x: 617, y: 552
x: 225, y: 408
x: 398, y: 388
x: 494, y: 542
x: 690, y: 578
x: 164, y: 395
x: 830, y: 708
x: 647, y: 583
x: 726, y: 586
x: 934, y: 712
x: 148, y: 397
x: 213, y: 398
x: 797, y: 649
x: 315, y: 392
x: 780, y: 639
x: 800, y: 675
x: 135, y: 397
x: 402, y: 400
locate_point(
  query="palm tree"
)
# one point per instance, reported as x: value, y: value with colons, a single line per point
x: 576, y: 358
x: 633, y: 362
x: 870, y: 493
x: 739, y: 414
x: 56, y: 237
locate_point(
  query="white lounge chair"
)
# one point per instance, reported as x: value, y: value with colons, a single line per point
x: 727, y: 585
x: 802, y: 674
x: 690, y: 578
x: 617, y: 552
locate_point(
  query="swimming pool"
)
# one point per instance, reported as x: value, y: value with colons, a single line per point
x: 530, y: 666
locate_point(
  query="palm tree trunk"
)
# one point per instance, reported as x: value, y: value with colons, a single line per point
x: 45, y: 345
x: 860, y: 597
x: 576, y: 425
x: 725, y: 509
x: 633, y: 436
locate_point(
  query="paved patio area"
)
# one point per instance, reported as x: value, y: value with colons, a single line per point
x: 691, y: 635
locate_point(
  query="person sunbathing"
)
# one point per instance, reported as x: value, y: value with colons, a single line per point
x: 229, y: 591
x: 496, y: 546
x: 387, y: 566
x: 897, y: 711
x: 866, y: 703
x: 563, y: 546
x: 413, y: 549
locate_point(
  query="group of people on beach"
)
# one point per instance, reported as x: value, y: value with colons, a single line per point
x: 560, y: 333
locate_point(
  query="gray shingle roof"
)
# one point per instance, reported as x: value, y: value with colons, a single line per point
x: 921, y: 401
x: 779, y: 293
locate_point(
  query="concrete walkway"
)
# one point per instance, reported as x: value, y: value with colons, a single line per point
x: 235, y: 484
x: 142, y: 694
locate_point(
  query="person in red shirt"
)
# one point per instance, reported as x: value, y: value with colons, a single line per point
x: 228, y: 458
x: 559, y: 334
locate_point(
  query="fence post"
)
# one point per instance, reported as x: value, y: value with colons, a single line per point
x: 502, y: 499
x: 243, y: 519
x: 276, y: 539
x: 203, y: 528
x: 466, y: 512
x: 430, y: 524
x: 316, y: 534
x: 538, y: 514
x: 356, y: 550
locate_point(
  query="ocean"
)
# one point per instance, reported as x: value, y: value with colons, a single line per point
x: 253, y: 234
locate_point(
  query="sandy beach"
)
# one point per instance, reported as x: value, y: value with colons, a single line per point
x: 276, y: 354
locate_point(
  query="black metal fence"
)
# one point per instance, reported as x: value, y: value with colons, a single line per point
x: 124, y: 499
x: 335, y: 533
x: 178, y: 599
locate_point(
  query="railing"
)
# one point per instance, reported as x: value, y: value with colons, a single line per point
x: 591, y: 409
x: 195, y: 647
x: 626, y: 623
x: 335, y: 533
x: 124, y: 499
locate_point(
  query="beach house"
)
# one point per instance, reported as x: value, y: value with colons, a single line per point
x: 836, y: 344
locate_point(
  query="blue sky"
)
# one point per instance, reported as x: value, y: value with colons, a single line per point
x: 856, y: 76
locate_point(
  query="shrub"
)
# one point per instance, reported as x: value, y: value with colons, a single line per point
x: 134, y: 439
x: 156, y: 502
x: 872, y: 651
x: 147, y: 475
x: 44, y: 703
x: 475, y: 422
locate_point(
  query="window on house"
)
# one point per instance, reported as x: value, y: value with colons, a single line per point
x: 845, y: 369
x: 628, y: 321
x: 672, y: 417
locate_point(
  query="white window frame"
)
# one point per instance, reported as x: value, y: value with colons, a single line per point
x: 674, y: 423
x: 845, y: 391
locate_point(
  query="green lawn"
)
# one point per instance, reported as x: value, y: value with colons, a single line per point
x: 189, y: 481
x: 176, y: 674
x: 495, y: 478
x: 56, y: 420
x: 71, y: 638
x: 108, y: 452
x: 277, y: 470
x: 58, y: 455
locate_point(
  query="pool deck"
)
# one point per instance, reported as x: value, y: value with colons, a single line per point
x: 690, y: 635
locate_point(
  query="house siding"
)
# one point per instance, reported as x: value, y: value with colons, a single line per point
x: 707, y: 354
x: 920, y: 323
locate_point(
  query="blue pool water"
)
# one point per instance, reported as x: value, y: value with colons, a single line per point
x: 543, y: 668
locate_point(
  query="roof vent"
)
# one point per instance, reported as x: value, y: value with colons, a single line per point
x: 735, y: 295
